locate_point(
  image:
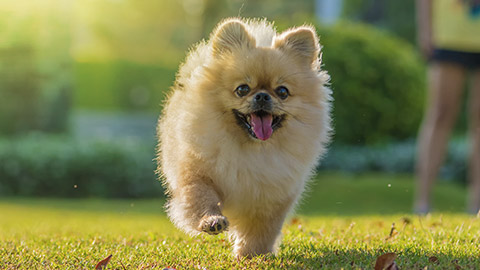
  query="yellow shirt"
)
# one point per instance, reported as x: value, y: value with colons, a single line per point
x: 456, y: 25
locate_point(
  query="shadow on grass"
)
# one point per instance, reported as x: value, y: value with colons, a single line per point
x: 327, y: 258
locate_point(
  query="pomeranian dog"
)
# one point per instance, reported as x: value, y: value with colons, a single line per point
x: 242, y: 131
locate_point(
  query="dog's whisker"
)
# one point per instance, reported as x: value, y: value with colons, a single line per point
x: 292, y: 115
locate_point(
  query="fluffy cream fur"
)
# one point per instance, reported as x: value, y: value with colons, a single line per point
x: 215, y: 172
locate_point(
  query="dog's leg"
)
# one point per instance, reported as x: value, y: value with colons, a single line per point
x: 195, y: 205
x: 258, y: 234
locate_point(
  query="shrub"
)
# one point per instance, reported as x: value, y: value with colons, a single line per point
x: 42, y: 165
x: 378, y: 84
x: 396, y: 157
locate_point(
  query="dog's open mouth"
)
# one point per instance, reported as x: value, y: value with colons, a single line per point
x: 259, y: 124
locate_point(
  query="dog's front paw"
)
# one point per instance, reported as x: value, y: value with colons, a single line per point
x: 213, y: 224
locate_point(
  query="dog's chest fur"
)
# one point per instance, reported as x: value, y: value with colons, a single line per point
x: 256, y: 177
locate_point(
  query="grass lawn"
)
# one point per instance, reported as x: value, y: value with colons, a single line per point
x: 344, y: 222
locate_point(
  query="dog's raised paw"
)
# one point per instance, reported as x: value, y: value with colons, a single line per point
x: 213, y: 224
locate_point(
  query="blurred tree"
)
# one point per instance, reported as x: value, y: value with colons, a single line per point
x: 34, y: 65
x: 19, y: 90
x: 392, y: 15
x: 378, y: 84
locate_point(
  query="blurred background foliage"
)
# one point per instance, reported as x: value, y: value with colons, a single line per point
x: 378, y: 84
x: 82, y: 83
x: 394, y: 16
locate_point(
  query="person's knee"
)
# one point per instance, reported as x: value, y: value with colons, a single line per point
x: 443, y: 116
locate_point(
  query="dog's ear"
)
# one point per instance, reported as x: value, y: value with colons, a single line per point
x: 301, y: 41
x: 229, y: 35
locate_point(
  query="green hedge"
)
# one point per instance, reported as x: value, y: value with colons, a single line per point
x: 398, y: 157
x: 378, y: 84
x: 42, y: 165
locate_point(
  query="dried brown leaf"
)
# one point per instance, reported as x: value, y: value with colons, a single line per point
x: 103, y: 263
x: 386, y: 262
x: 433, y: 259
x: 393, y: 266
x: 455, y: 265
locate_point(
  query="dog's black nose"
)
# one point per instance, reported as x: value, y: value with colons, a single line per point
x: 262, y: 101
x: 262, y: 97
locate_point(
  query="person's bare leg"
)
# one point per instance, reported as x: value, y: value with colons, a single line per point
x: 446, y: 83
x: 473, y: 204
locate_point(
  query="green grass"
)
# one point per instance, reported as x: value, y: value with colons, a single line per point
x: 344, y: 222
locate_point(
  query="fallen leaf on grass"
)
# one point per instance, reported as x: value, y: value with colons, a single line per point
x: 455, y: 265
x: 433, y: 259
x: 103, y: 263
x: 386, y: 262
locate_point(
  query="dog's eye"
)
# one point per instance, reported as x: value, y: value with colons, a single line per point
x: 242, y: 90
x: 282, y: 92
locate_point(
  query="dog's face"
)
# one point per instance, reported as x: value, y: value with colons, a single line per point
x: 261, y: 88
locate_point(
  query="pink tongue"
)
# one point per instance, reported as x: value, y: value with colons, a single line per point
x: 262, y: 126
